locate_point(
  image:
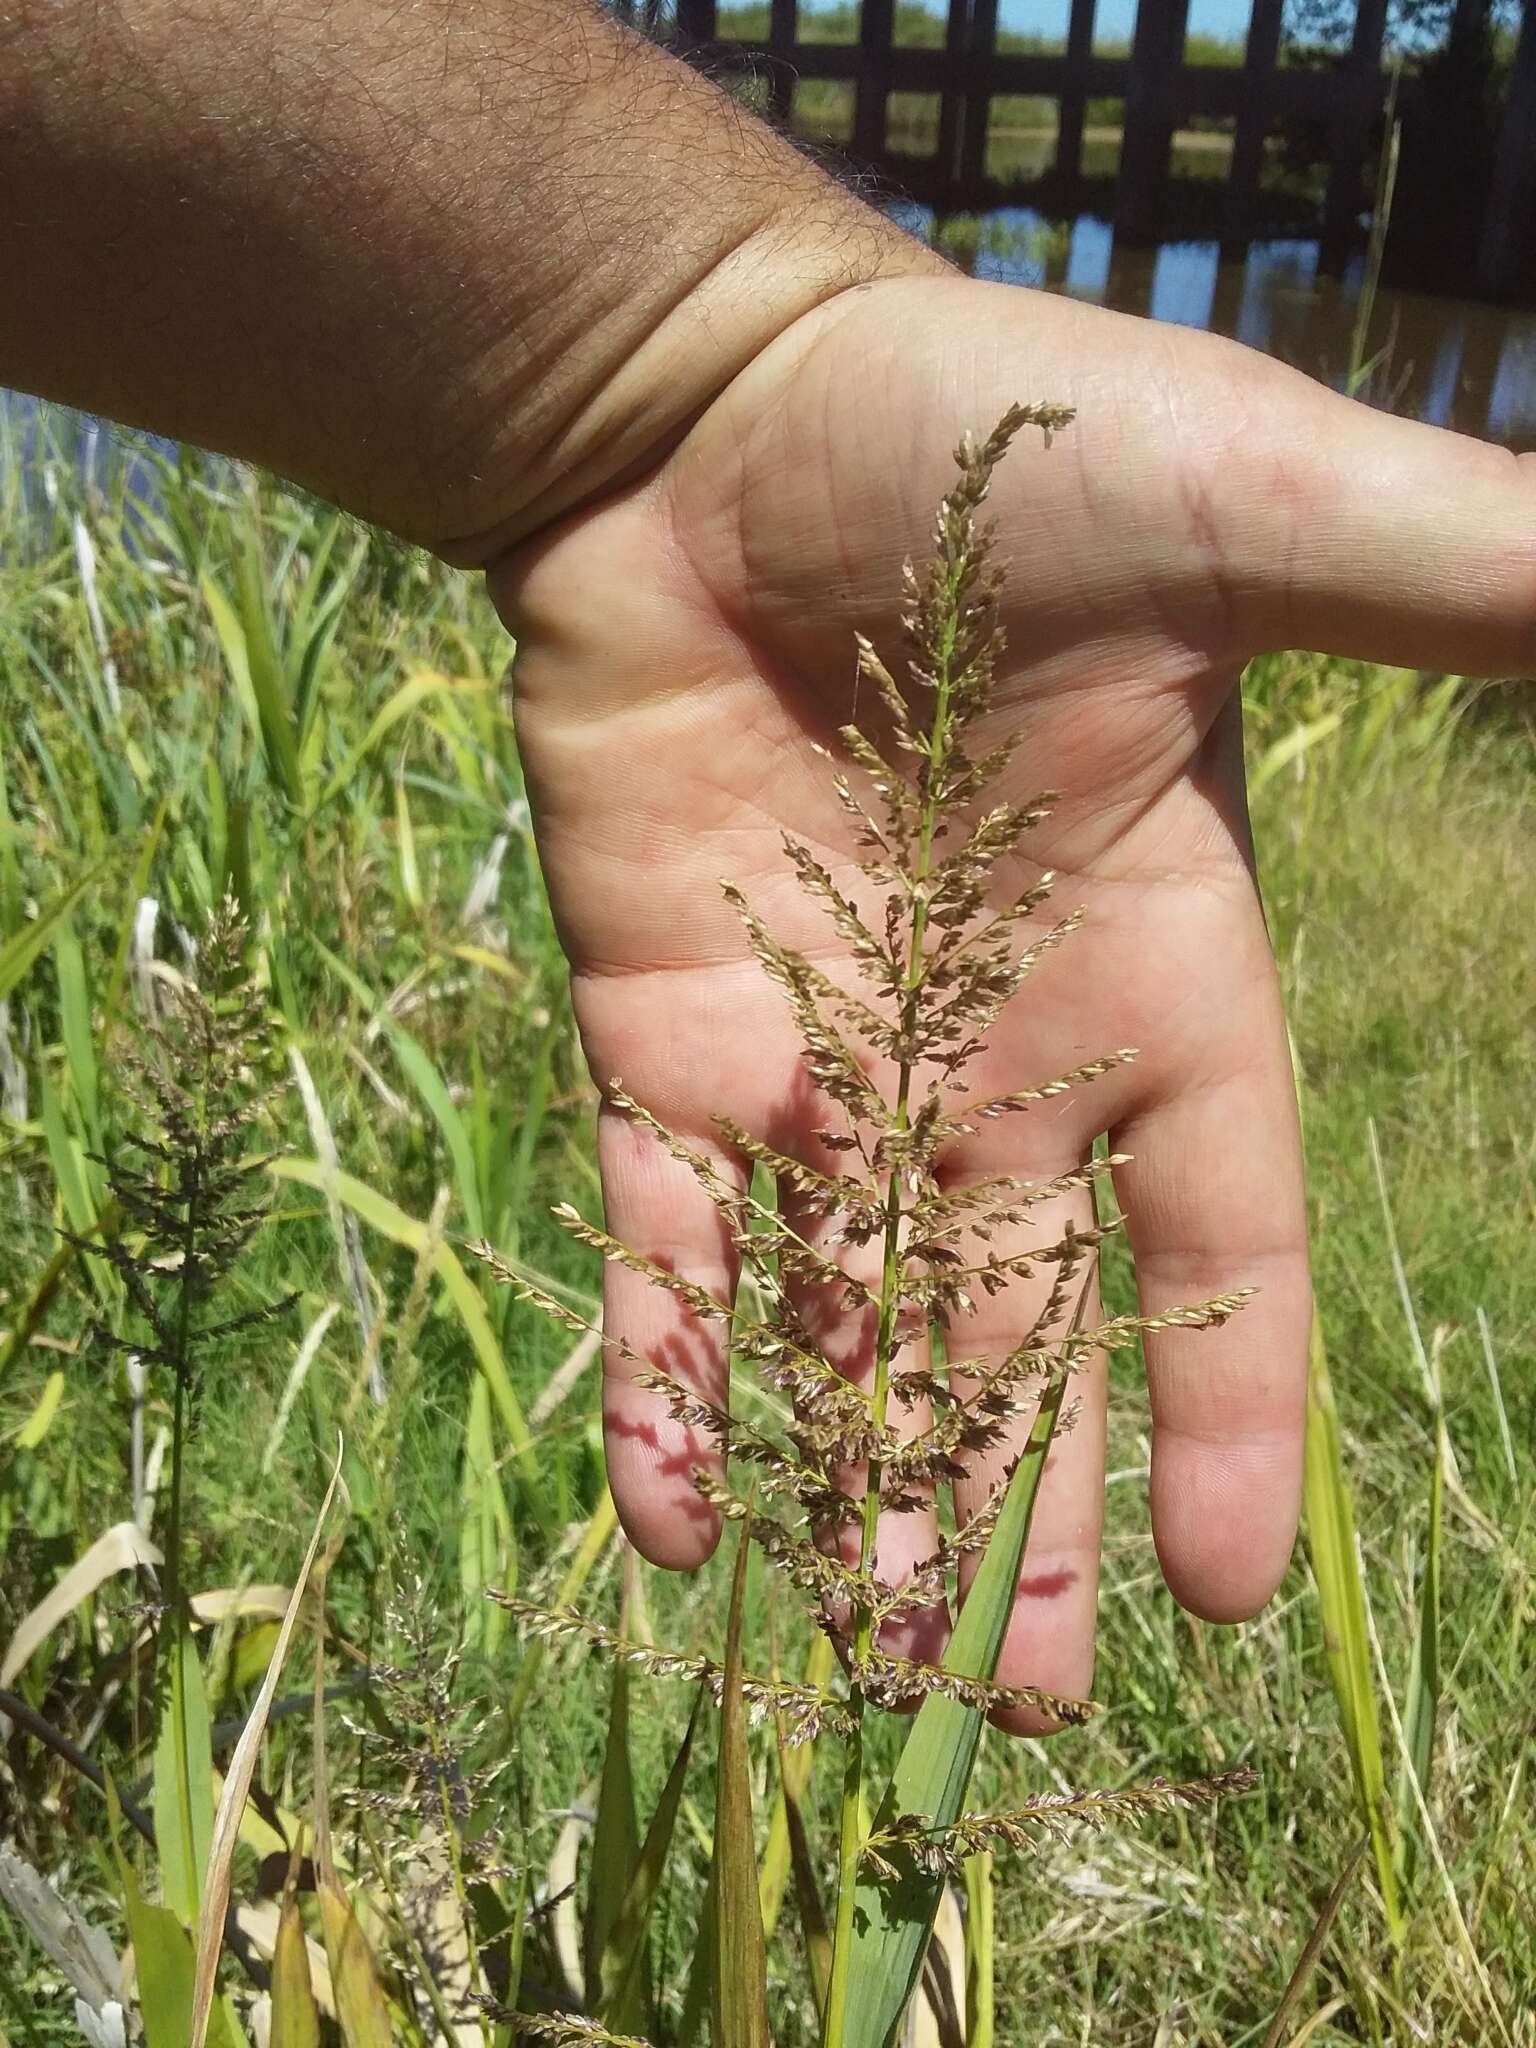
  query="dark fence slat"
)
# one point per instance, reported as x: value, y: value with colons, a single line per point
x: 783, y: 32
x: 696, y: 20
x: 1151, y: 104
x: 982, y: 83
x: 1349, y: 138
x: 1511, y: 216
x: 876, y: 35
x: 1074, y: 91
x: 957, y: 30
x: 1254, y: 113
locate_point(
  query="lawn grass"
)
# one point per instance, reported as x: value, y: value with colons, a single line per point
x: 398, y: 913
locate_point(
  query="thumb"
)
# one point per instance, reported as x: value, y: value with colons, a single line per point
x: 1386, y: 540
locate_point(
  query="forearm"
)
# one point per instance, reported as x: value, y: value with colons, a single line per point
x: 457, y: 265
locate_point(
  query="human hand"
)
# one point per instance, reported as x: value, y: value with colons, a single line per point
x: 685, y: 645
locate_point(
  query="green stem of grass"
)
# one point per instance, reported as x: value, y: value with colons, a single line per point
x: 849, y: 1824
x: 175, y: 1695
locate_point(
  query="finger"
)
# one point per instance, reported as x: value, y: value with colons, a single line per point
x: 1213, y: 1202
x: 1050, y: 1638
x: 846, y: 1336
x: 654, y: 1204
x: 1377, y: 537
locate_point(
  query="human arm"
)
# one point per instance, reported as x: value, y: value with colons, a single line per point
x: 456, y: 266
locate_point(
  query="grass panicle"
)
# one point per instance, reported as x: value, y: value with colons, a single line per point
x: 936, y: 954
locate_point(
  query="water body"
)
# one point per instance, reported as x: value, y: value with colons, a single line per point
x: 1454, y: 362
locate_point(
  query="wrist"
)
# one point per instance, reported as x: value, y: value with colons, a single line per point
x: 607, y: 411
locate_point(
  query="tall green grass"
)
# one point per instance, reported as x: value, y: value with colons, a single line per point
x: 364, y: 802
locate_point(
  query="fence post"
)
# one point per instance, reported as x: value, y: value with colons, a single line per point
x: 978, y: 98
x: 952, y: 105
x: 1252, y: 122
x: 1507, y: 225
x: 1157, y: 54
x: 783, y: 27
x: 876, y: 33
x: 696, y: 21
x: 1349, y: 137
x: 1073, y: 110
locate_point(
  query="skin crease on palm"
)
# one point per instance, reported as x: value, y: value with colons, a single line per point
x: 686, y: 647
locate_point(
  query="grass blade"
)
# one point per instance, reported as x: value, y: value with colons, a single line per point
x: 1341, y: 1597
x: 622, y: 1968
x: 1313, y: 1948
x: 22, y: 947
x: 1490, y: 1360
x: 415, y: 691
x: 980, y: 1953
x: 386, y: 1216
x: 601, y: 1523
x: 615, y: 1839
x: 795, y: 1766
x: 75, y: 1946
x: 162, y: 1954
x: 429, y: 1085
x: 487, y: 1538
x: 936, y: 1762
x: 183, y: 1800
x: 295, y: 2015
x: 814, y: 1926
x: 362, y: 2011
x: 237, y: 1785
x: 1421, y: 1708
x: 739, y: 1986
x: 122, y: 1548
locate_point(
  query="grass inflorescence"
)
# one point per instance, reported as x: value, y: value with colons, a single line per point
x: 939, y: 952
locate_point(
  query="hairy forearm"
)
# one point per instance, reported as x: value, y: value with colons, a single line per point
x: 457, y: 264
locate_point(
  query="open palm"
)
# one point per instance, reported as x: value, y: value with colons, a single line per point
x: 686, y: 647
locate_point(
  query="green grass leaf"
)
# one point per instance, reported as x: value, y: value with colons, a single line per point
x: 244, y: 634
x: 739, y: 1967
x: 415, y: 691
x: 387, y: 1217
x: 622, y: 1969
x: 1421, y: 1707
x: 980, y: 1953
x: 1341, y: 1597
x: 295, y: 2015
x: 429, y: 1085
x: 893, y: 1922
x: 183, y: 1790
x: 163, y: 1959
x: 615, y: 1841
x: 361, y: 2007
x: 22, y: 946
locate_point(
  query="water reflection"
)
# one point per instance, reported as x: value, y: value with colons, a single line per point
x: 37, y: 440
x: 1457, y: 363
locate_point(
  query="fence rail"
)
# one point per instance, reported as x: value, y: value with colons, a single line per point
x: 1160, y: 92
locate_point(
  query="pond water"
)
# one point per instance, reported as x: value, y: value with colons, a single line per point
x: 1455, y: 362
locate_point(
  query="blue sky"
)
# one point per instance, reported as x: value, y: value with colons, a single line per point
x: 1113, y: 21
